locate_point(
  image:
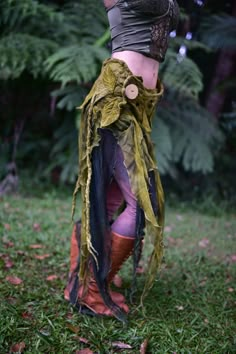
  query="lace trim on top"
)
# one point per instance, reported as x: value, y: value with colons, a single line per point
x: 160, y: 32
x: 161, y: 16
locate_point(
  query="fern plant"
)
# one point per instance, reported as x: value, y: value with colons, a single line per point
x: 67, y: 45
x: 190, y: 131
x: 76, y: 65
x: 191, y: 134
x: 184, y: 76
x: 184, y: 132
x: 219, y: 31
x: 20, y: 52
x: 30, y: 33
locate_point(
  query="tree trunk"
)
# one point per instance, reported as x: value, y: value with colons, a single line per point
x: 224, y: 68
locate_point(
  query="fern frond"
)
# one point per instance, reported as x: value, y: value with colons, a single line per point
x: 75, y: 63
x: 19, y: 52
x: 14, y: 13
x: 69, y: 97
x: 219, y: 31
x: 32, y: 17
x: 195, y: 137
x: 184, y: 76
x: 91, y: 24
x: 163, y: 145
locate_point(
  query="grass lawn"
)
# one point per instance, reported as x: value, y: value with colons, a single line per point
x: 190, y: 309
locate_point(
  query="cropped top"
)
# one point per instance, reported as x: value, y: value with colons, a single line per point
x: 142, y: 26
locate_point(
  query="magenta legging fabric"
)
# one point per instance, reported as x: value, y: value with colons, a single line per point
x: 119, y: 190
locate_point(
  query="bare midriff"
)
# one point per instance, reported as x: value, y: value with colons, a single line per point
x: 140, y: 65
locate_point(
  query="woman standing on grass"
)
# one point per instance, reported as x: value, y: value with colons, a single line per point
x: 119, y: 182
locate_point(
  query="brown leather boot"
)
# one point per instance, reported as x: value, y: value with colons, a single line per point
x: 122, y: 248
x: 91, y: 298
x: 74, y: 254
x: 118, y: 298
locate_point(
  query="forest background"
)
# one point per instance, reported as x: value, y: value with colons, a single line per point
x: 51, y: 53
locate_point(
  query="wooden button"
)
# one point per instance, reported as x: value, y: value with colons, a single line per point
x: 131, y: 91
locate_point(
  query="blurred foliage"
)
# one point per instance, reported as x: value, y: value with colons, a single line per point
x: 219, y: 31
x: 191, y: 136
x: 50, y: 56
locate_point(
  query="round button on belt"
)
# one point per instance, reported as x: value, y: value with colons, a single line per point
x: 131, y: 91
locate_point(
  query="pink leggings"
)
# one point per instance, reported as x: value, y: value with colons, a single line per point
x: 118, y: 191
